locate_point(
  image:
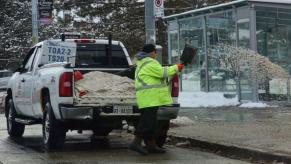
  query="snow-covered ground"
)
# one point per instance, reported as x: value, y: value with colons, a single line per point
x: 182, y: 120
x: 213, y: 99
x: 203, y: 99
x: 254, y: 105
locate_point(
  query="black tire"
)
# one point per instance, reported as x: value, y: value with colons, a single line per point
x: 14, y: 128
x: 161, y: 132
x: 54, y: 133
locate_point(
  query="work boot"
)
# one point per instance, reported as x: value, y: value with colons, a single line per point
x: 136, y: 146
x: 153, y: 148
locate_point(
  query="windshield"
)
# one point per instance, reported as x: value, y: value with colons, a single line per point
x: 97, y: 56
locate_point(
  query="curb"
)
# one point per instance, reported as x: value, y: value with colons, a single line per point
x: 251, y: 154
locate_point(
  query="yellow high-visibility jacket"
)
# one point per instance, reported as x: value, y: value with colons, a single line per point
x: 151, y: 83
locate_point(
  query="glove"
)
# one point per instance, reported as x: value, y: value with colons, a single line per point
x: 78, y: 75
x: 180, y: 67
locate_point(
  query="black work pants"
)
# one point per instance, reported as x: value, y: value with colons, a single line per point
x: 147, y: 123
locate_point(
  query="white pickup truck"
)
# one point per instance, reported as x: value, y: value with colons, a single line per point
x: 41, y: 91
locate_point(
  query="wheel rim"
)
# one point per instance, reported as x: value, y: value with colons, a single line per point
x: 46, y: 128
x: 10, y: 118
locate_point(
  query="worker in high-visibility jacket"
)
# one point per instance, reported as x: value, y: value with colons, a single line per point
x: 152, y: 91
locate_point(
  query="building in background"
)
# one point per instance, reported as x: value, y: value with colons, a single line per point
x: 260, y: 25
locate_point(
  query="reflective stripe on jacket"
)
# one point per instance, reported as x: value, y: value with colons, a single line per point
x: 151, y: 83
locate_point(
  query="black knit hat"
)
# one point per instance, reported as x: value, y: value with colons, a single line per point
x: 149, y: 48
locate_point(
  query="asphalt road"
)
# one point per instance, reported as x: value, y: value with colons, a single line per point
x: 80, y: 149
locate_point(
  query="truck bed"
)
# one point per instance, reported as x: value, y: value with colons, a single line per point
x: 104, y: 89
x: 104, y: 101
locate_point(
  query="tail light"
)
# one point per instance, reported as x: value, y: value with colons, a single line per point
x: 175, y: 86
x: 66, y: 85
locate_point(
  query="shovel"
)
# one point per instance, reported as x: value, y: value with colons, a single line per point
x: 188, y: 54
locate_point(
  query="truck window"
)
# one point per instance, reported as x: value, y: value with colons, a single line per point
x: 95, y: 56
x: 37, y: 58
x: 29, y: 65
x: 28, y: 60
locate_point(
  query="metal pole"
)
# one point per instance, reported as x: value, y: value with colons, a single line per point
x: 206, y: 53
x: 150, y: 27
x: 238, y: 87
x: 110, y: 49
x: 253, y: 46
x: 34, y: 21
x: 179, y: 53
x: 288, y: 89
x: 253, y: 27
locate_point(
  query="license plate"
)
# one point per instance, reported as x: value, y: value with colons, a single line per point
x: 122, y: 109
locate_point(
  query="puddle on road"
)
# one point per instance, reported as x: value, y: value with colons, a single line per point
x: 74, y: 142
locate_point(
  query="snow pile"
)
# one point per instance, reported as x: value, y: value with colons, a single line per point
x: 203, y: 99
x: 254, y: 105
x: 101, y: 84
x: 182, y: 120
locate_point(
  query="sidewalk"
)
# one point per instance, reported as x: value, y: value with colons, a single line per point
x: 264, y: 132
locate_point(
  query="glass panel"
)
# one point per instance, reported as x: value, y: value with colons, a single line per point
x: 29, y: 63
x: 244, y: 42
x: 191, y: 32
x: 173, y: 41
x: 221, y: 28
x: 243, y: 26
x: 174, y: 48
x: 274, y: 42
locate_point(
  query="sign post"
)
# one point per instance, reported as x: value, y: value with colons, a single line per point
x: 34, y: 22
x: 153, y: 9
x: 150, y: 27
x: 159, y: 8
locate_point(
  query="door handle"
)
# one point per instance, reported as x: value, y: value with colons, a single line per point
x: 23, y: 80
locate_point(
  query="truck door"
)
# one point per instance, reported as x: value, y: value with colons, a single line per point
x: 24, y: 85
x: 35, y: 94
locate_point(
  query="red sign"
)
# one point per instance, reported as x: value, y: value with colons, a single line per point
x: 158, y: 3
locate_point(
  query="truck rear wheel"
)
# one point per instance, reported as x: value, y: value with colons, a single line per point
x: 14, y: 128
x: 161, y: 132
x: 54, y: 133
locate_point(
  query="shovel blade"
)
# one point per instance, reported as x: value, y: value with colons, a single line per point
x: 188, y: 54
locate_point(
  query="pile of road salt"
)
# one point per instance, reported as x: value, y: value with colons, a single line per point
x: 100, y: 84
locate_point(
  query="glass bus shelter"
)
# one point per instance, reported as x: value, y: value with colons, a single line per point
x: 263, y: 26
